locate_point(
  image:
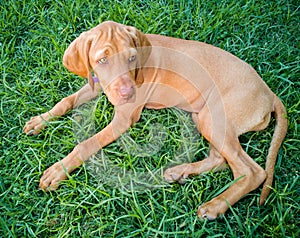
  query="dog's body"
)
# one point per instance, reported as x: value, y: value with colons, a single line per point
x: 224, y: 94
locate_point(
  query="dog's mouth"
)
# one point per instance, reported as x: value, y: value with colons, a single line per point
x: 121, y: 96
x: 119, y: 90
x: 123, y: 100
x: 125, y: 93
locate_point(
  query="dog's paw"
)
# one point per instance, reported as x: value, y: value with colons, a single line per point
x: 52, y: 176
x: 36, y: 124
x: 178, y: 173
x: 212, y: 209
x: 205, y: 212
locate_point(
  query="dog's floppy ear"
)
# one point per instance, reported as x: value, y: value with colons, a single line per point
x: 76, y: 57
x: 143, y: 47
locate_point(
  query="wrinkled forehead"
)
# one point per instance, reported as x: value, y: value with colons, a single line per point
x: 111, y: 39
x: 111, y: 51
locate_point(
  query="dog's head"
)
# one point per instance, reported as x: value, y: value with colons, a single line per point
x: 115, y: 53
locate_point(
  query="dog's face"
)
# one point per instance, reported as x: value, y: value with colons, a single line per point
x: 116, y: 54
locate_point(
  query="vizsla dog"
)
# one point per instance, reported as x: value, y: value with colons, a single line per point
x: 225, y: 96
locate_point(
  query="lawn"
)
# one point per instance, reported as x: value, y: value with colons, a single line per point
x: 114, y: 194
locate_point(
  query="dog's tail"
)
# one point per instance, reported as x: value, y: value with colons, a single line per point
x: 278, y: 136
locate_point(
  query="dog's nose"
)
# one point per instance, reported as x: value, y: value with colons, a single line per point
x: 126, y: 92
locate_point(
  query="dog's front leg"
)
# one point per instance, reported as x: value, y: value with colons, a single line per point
x: 58, y: 171
x: 37, y: 123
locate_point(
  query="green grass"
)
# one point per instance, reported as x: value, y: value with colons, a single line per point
x: 33, y: 37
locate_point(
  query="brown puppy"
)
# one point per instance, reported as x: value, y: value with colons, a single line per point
x: 224, y: 94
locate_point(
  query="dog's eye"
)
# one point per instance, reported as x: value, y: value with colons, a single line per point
x: 132, y: 58
x: 102, y: 60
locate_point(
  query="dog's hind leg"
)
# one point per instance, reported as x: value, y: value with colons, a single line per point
x: 248, y: 175
x: 213, y: 162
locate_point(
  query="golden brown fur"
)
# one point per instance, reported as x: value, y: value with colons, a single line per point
x: 224, y: 94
